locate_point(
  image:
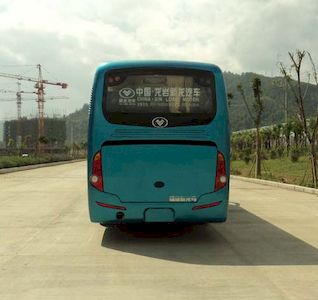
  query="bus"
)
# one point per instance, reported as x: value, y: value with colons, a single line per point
x: 158, y: 143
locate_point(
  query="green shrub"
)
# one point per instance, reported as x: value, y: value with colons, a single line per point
x: 236, y: 172
x: 241, y: 155
x: 233, y: 156
x: 18, y: 161
x: 273, y: 154
x: 264, y: 155
x: 245, y: 154
x: 295, y: 153
x: 247, y: 158
x: 280, y: 152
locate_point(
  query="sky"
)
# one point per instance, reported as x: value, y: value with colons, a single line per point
x: 71, y: 38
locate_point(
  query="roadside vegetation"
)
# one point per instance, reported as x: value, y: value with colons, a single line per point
x: 255, y: 114
x: 18, y: 161
x: 280, y: 169
x: 285, y: 152
x: 18, y: 157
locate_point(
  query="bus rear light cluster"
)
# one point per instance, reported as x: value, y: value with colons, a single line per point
x: 107, y: 205
x: 97, y: 173
x: 213, y: 204
x: 221, y: 177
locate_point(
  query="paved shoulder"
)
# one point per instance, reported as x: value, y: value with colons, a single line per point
x: 49, y: 249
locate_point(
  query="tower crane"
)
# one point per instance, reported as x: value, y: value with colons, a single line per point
x: 40, y: 86
x: 34, y: 99
x: 18, y: 98
x: 19, y: 104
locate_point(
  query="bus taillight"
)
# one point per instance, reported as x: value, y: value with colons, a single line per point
x: 97, y: 173
x: 220, y: 178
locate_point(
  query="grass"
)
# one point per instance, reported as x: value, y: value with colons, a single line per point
x: 18, y: 161
x: 281, y: 170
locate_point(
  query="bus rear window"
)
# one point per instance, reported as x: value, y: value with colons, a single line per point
x: 137, y: 97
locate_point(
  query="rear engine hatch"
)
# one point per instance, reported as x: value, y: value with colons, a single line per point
x: 159, y: 172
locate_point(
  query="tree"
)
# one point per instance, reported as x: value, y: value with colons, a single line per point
x: 27, y: 141
x: 276, y: 133
x: 299, y: 94
x: 229, y: 99
x: 11, y: 144
x: 297, y: 129
x: 76, y: 148
x: 287, y: 128
x: 267, y: 138
x: 255, y: 117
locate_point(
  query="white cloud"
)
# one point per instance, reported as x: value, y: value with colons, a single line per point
x: 70, y: 38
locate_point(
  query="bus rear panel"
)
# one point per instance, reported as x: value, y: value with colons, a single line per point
x: 158, y: 143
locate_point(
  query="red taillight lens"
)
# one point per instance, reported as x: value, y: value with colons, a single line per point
x: 97, y: 173
x: 207, y: 205
x: 220, y: 178
x: 111, y: 206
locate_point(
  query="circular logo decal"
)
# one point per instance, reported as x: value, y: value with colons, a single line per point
x: 159, y: 122
x: 126, y: 93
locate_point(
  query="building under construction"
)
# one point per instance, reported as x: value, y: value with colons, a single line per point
x: 22, y: 132
x: 27, y: 139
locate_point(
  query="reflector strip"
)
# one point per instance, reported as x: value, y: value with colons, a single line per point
x: 207, y: 205
x: 110, y: 206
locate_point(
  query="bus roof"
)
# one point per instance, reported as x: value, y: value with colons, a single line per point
x: 123, y: 64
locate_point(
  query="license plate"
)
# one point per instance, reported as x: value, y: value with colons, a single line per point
x: 182, y: 199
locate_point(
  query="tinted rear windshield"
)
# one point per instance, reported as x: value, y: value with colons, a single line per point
x: 175, y: 96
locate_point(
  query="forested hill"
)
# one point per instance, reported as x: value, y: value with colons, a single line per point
x: 76, y: 126
x: 273, y: 92
x: 273, y: 95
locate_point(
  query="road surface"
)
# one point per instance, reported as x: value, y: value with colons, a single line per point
x: 50, y: 250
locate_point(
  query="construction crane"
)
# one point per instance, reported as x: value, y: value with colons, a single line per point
x: 18, y: 98
x: 40, y: 86
x: 19, y: 104
x: 34, y: 99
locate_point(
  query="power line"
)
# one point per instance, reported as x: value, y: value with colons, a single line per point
x: 17, y: 66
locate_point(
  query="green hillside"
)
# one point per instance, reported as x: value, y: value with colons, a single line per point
x: 273, y: 96
x: 76, y: 126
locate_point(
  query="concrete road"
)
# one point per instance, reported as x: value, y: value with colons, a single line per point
x: 50, y: 250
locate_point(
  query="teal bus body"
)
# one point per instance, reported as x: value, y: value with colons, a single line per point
x: 141, y: 173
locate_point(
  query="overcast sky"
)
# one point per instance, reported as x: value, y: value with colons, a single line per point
x: 71, y: 38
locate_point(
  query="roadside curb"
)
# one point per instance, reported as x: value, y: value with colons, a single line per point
x: 285, y: 186
x: 36, y: 166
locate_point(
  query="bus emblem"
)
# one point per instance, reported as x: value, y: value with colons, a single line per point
x: 126, y: 93
x: 159, y: 122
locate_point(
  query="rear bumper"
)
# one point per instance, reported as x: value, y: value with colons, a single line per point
x: 156, y: 212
